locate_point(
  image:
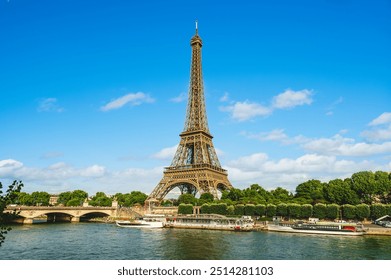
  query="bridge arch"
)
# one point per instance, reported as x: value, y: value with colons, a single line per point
x: 71, y: 214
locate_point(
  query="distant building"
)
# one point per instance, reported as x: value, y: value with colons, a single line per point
x: 53, y: 199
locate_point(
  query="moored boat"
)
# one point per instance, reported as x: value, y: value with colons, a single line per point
x: 330, y: 228
x: 210, y: 221
x: 147, y: 221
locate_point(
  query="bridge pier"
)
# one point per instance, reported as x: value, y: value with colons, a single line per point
x: 28, y: 221
x: 75, y: 219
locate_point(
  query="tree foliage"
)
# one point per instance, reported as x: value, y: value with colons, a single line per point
x: 348, y: 211
x: 132, y: 198
x: 77, y: 197
x: 7, y: 198
x: 100, y: 199
x: 362, y: 211
x: 185, y: 208
x: 319, y: 211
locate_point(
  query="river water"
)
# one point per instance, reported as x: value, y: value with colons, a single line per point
x: 94, y: 241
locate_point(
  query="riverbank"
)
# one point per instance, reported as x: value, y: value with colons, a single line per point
x: 377, y: 230
x: 371, y: 229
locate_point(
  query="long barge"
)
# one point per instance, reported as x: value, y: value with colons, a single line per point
x: 211, y: 222
x: 328, y: 228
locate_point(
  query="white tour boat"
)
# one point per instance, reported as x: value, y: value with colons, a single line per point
x: 147, y: 221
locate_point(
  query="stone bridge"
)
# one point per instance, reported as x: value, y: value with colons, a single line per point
x: 26, y: 214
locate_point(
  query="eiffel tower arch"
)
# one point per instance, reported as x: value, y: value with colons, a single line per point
x: 195, y: 167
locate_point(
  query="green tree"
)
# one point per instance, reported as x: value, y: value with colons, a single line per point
x: 24, y: 199
x: 207, y: 197
x: 231, y: 210
x: 260, y: 210
x: 76, y: 195
x: 306, y: 211
x: 332, y: 211
x: 187, y: 198
x: 10, y: 195
x: 378, y: 210
x: 233, y: 194
x: 362, y: 211
x: 249, y: 210
x: 282, y: 210
x: 64, y: 197
x: 294, y: 210
x: 80, y: 195
x: 348, y: 211
x: 280, y: 195
x: 271, y: 210
x: 319, y: 210
x: 383, y: 186
x: 100, y: 199
x: 40, y: 198
x: 311, y: 191
x: 340, y: 192
x: 364, y: 184
x: 239, y: 210
x: 73, y: 202
x: 255, y: 194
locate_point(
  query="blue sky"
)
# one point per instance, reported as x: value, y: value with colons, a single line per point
x: 93, y: 93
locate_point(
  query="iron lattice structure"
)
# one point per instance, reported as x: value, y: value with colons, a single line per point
x: 195, y: 166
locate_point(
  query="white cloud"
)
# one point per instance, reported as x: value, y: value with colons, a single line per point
x: 49, y: 105
x: 382, y: 119
x: 378, y: 134
x: 246, y: 110
x: 380, y: 128
x: 225, y: 97
x: 180, y: 98
x: 61, y: 177
x: 93, y: 171
x: 166, y: 153
x: 134, y: 99
x: 8, y: 166
x: 251, y: 162
x: 290, y: 99
x: 338, y: 145
x: 289, y: 172
x: 242, y: 111
x: 274, y: 135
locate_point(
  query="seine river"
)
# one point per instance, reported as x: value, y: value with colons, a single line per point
x: 93, y: 241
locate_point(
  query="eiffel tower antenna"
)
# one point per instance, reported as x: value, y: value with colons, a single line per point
x: 195, y: 167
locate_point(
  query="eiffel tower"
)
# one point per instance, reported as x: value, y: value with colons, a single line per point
x: 195, y: 166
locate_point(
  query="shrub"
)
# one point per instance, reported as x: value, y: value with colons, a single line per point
x: 306, y: 211
x: 349, y: 211
x: 319, y: 210
x: 185, y: 208
x: 205, y: 209
x: 282, y: 210
x: 332, y: 211
x: 249, y: 210
x: 362, y: 211
x: 260, y: 210
x: 230, y: 210
x: 294, y: 210
x: 239, y: 210
x: 220, y: 208
x: 378, y: 210
x: 271, y: 210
